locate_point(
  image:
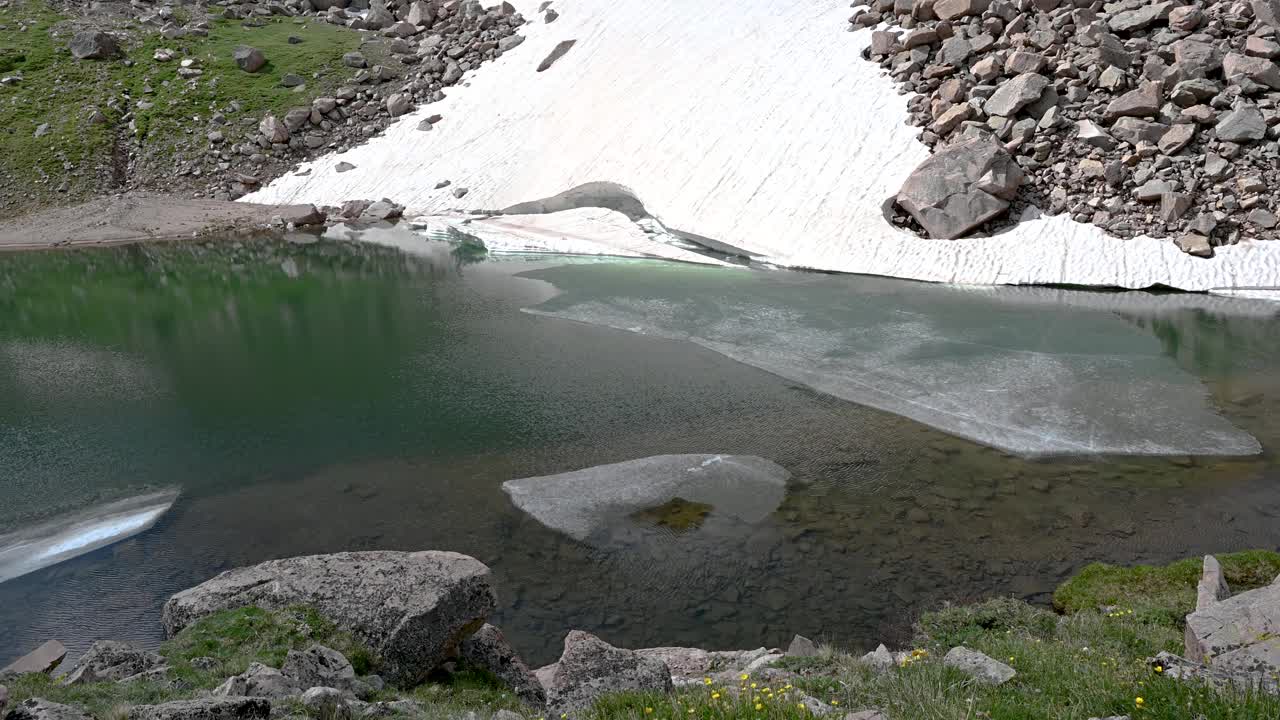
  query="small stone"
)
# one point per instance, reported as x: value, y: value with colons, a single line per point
x: 1091, y: 134
x: 550, y: 16
x: 343, y: 167
x: 983, y: 668
x: 1151, y: 190
x: 443, y: 184
x: 290, y: 80
x: 399, y: 104
x: 1186, y: 18
x: 1015, y: 94
x: 1244, y: 124
x: 93, y: 45
x: 1142, y: 102
x: 273, y: 129
x: 1258, y: 69
x: 801, y: 646
x: 1136, y: 131
x: 249, y: 59
x: 1024, y: 62
x: 956, y: 9
x: 1264, y: 219
x: 459, y: 192
x: 354, y: 60
x: 1173, y: 205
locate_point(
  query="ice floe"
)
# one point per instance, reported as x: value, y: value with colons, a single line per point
x: 1032, y: 371
x: 751, y: 122
x: 29, y: 549
x: 584, y: 502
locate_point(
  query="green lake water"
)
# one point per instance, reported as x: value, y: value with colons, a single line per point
x: 943, y: 444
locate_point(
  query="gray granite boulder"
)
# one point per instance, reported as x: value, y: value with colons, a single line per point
x: 985, y: 669
x: 319, y: 666
x: 38, y: 709
x: 801, y: 646
x: 1234, y: 634
x: 94, y: 45
x: 411, y: 608
x: 258, y: 681
x: 1015, y: 94
x: 591, y: 667
x: 107, y: 660
x: 489, y: 650
x: 215, y: 708
x: 960, y: 187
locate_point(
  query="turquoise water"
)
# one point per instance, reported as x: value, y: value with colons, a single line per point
x: 943, y: 444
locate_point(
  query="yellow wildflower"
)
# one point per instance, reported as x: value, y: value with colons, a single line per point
x: 744, y: 676
x: 759, y: 706
x: 1138, y: 701
x: 648, y: 711
x: 1159, y: 668
x: 753, y: 685
x: 715, y: 696
x: 706, y: 681
x: 835, y: 702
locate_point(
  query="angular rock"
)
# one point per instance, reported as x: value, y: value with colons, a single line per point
x: 1194, y: 91
x: 110, y: 661
x: 1129, y: 21
x: 955, y: 9
x: 273, y: 129
x: 1197, y: 245
x: 343, y: 166
x: 1186, y: 18
x: 41, y: 660
x: 489, y: 650
x: 1092, y: 135
x: 421, y: 13
x: 94, y: 45
x: 1260, y: 70
x: 879, y: 659
x: 229, y: 708
x: 249, y: 59
x: 1201, y: 58
x: 325, y: 702
x: 1142, y: 102
x: 985, y: 669
x: 383, y: 210
x: 1134, y: 131
x: 1261, y: 47
x: 39, y: 709
x: 952, y: 118
x: 589, y: 667
x: 300, y: 215
x: 258, y: 681
x: 1152, y: 190
x: 1176, y: 138
x: 961, y: 187
x: 412, y: 609
x: 1015, y: 94
x: 801, y: 646
x: 1264, y: 219
x: 296, y: 118
x: 1173, y: 205
x: 319, y: 666
x: 1021, y: 62
x: 1267, y: 12
x: 1242, y: 125
x: 354, y: 60
x: 556, y: 53
x: 1212, y: 587
x: 510, y: 42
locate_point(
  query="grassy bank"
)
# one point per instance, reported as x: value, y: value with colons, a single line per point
x: 1086, y: 663
x: 91, y: 114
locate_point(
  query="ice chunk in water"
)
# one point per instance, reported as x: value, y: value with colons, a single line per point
x: 1026, y: 371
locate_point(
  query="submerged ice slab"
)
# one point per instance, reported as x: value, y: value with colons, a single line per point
x: 581, y: 231
x: 69, y: 536
x: 1028, y: 370
x: 751, y: 122
x: 583, y: 502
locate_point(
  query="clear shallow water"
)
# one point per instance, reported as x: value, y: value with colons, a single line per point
x: 314, y: 398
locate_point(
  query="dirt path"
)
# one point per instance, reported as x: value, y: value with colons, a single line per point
x: 136, y: 217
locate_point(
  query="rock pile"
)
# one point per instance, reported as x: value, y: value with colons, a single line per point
x: 1157, y: 118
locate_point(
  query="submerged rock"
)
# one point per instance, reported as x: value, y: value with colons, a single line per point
x: 960, y: 187
x: 591, y: 667
x: 581, y: 502
x: 412, y: 609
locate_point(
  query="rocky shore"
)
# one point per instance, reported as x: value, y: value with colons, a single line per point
x: 1143, y: 118
x: 378, y: 634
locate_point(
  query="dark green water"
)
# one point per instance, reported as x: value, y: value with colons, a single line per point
x: 315, y: 398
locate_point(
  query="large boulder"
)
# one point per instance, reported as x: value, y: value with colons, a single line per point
x: 249, y: 59
x: 214, y: 708
x: 591, y: 667
x: 1235, y: 634
x: 411, y: 608
x: 960, y: 187
x: 94, y: 45
x: 108, y: 660
x: 38, y: 709
x: 489, y: 650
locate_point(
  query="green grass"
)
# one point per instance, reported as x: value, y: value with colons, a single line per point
x: 236, y: 638
x: 1164, y: 594
x: 62, y: 92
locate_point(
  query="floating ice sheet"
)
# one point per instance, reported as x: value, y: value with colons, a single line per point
x: 1027, y: 370
x: 69, y: 536
x: 751, y: 122
x: 583, y: 502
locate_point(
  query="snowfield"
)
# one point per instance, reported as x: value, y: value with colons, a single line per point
x: 755, y: 123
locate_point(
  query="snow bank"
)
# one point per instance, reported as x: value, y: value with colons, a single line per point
x: 751, y: 122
